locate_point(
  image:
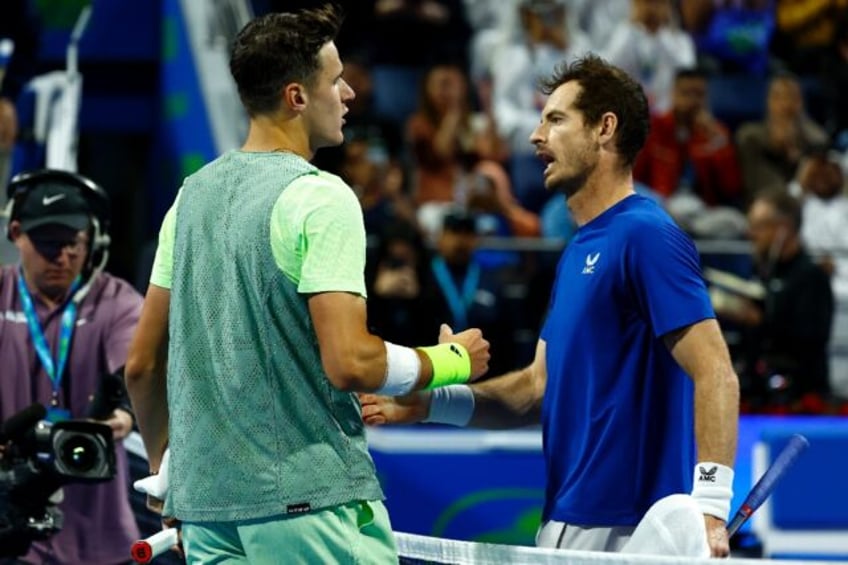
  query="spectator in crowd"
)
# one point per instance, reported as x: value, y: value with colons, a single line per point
x: 21, y: 27
x: 491, y: 24
x: 731, y: 36
x: 463, y: 290
x: 441, y: 135
x: 824, y: 231
x: 688, y: 149
x: 805, y: 31
x: 377, y: 181
x: 452, y: 147
x: 651, y: 47
x: 599, y: 18
x: 20, y: 33
x: 419, y: 32
x: 690, y: 160
x: 63, y: 343
x: 770, y: 150
x: 396, y: 277
x: 544, y: 39
x: 498, y: 211
x: 785, y: 348
x: 834, y: 84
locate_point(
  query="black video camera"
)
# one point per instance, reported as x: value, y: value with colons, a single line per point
x: 38, y: 458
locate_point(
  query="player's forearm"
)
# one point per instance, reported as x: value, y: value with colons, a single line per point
x: 717, y: 416
x: 507, y: 401
x: 716, y: 425
x: 362, y: 365
x: 148, y: 393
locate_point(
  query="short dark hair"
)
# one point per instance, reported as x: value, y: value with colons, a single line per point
x: 785, y: 205
x: 784, y: 75
x: 460, y: 221
x: 691, y: 72
x: 277, y: 49
x: 606, y: 88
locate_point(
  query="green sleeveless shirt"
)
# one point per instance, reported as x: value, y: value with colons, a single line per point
x: 256, y: 428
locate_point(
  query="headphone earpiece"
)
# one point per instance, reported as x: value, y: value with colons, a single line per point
x: 7, y: 213
x: 100, y: 239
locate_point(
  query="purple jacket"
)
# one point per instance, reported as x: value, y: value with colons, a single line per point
x: 99, y: 523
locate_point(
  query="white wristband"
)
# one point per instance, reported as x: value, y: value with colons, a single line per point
x: 453, y: 404
x: 156, y: 485
x: 402, y: 368
x: 712, y: 488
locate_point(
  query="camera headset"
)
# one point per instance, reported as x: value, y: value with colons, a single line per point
x: 21, y: 187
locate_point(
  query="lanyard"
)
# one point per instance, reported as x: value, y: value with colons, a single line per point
x: 56, y: 370
x: 457, y: 303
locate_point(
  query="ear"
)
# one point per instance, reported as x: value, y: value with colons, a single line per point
x: 14, y: 230
x: 295, y: 96
x: 609, y: 125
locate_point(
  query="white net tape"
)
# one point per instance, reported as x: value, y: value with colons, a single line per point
x: 418, y: 550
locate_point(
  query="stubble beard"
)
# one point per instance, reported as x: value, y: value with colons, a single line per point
x: 571, y: 185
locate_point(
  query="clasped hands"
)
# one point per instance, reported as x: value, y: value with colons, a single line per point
x: 414, y: 407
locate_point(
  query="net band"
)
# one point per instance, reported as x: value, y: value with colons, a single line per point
x: 419, y: 550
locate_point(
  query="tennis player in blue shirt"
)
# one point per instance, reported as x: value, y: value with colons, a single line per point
x: 623, y: 426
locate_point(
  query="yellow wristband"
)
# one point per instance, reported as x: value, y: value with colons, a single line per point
x: 451, y: 364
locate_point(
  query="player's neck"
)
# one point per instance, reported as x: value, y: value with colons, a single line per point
x: 600, y: 193
x: 266, y: 135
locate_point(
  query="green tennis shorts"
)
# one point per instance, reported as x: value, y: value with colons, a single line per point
x: 355, y: 533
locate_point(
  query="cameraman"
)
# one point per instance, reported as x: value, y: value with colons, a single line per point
x: 64, y: 331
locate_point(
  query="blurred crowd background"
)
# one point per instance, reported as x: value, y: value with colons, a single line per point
x: 747, y: 151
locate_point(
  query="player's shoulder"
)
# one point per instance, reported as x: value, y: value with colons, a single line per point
x: 210, y: 170
x: 645, y: 224
x: 645, y: 216
x: 320, y: 185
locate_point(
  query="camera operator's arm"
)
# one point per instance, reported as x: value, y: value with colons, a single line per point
x: 121, y: 423
x: 111, y: 404
x: 145, y: 373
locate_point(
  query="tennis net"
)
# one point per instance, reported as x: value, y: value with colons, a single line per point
x: 423, y: 550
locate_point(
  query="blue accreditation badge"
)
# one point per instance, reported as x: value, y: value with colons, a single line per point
x: 56, y: 414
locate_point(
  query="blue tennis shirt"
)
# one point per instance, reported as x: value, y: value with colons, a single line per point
x: 618, y: 414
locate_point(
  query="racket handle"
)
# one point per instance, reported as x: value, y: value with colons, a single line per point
x: 145, y: 550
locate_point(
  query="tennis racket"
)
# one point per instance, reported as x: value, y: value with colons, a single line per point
x: 764, y: 487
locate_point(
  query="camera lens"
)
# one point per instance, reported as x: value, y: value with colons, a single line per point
x: 79, y: 453
x: 83, y: 451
